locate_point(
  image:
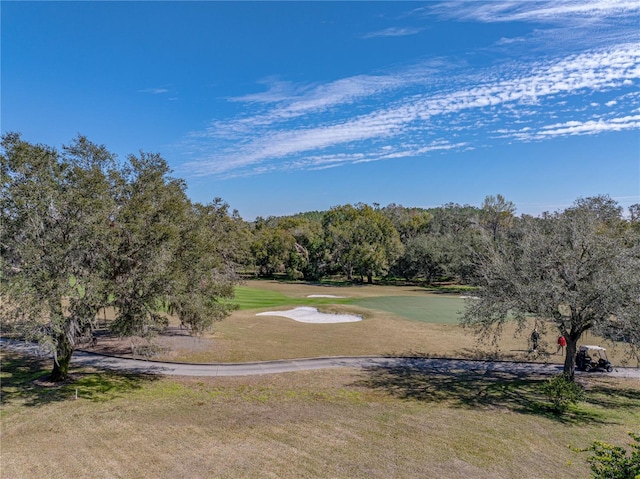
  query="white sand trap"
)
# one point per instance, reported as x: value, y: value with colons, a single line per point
x: 306, y: 314
x: 324, y: 296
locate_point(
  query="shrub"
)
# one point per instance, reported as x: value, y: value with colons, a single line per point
x: 612, y: 462
x: 562, y: 392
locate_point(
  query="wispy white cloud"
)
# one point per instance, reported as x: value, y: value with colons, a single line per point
x: 414, y: 114
x: 534, y: 11
x: 286, y: 101
x: 399, y: 114
x: 574, y: 127
x: 155, y: 91
x: 393, y: 32
x: 589, y: 23
x: 510, y: 41
x: 589, y: 127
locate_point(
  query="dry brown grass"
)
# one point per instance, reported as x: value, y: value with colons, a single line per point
x: 324, y: 424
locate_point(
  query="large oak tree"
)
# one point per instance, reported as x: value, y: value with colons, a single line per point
x: 577, y: 270
x: 81, y: 232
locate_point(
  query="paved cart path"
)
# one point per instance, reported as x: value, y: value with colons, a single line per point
x: 288, y: 365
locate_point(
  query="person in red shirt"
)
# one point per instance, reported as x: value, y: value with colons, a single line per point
x: 562, y: 342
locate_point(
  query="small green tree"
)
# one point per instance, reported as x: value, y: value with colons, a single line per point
x: 562, y: 392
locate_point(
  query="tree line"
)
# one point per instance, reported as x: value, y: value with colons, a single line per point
x: 361, y: 242
x: 82, y: 231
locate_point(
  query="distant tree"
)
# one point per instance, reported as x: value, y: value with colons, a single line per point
x: 453, y: 219
x: 408, y: 222
x: 271, y: 249
x: 634, y: 213
x: 423, y: 258
x: 576, y: 270
x: 496, y: 215
x: 456, y: 233
x: 361, y: 240
x: 310, y: 256
x: 80, y: 233
x: 291, y: 244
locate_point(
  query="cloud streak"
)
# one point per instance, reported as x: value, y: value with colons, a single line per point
x: 538, y: 11
x: 393, y: 32
x: 155, y: 91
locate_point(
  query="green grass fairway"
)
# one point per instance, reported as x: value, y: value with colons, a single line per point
x: 254, y: 298
x: 428, y: 309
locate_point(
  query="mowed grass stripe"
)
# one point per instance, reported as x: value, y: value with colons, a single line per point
x: 428, y: 309
x: 254, y: 298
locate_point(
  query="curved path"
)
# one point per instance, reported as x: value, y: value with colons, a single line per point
x: 288, y: 365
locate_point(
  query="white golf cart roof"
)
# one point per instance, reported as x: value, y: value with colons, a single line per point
x: 588, y: 346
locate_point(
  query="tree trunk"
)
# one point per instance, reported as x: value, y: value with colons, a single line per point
x: 64, y: 351
x: 570, y: 357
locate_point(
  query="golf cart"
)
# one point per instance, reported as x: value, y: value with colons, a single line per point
x: 593, y: 358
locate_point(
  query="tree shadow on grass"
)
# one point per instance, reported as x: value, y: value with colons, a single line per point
x: 613, y: 397
x: 24, y: 381
x: 490, y: 390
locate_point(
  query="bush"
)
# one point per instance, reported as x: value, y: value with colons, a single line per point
x: 562, y: 392
x: 612, y: 462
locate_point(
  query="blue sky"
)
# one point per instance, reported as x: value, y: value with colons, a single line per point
x: 283, y: 107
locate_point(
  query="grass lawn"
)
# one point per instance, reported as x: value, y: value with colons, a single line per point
x: 376, y: 423
x: 429, y: 309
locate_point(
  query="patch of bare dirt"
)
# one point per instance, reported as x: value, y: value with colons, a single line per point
x: 170, y: 344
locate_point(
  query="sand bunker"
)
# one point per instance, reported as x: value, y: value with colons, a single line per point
x: 324, y: 296
x: 306, y: 314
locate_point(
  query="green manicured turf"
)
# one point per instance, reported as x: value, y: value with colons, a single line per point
x: 254, y: 298
x: 428, y: 309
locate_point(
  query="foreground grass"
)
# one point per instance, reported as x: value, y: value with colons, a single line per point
x: 337, y: 423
